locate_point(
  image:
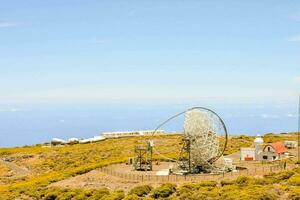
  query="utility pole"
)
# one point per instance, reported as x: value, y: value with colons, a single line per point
x: 189, y: 152
x: 299, y: 132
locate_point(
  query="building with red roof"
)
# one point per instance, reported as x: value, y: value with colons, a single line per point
x: 273, y: 151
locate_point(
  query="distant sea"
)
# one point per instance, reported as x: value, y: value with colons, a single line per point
x: 27, y: 125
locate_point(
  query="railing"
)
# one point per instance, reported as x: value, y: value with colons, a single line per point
x: 258, y: 170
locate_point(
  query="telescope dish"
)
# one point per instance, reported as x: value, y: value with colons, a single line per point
x: 205, y: 140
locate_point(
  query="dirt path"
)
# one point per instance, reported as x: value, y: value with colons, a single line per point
x: 17, y: 170
x: 96, y: 179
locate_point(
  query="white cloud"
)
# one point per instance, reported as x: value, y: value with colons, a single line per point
x: 291, y: 115
x: 14, y: 110
x: 7, y: 24
x: 97, y: 41
x: 295, y: 17
x: 10, y: 110
x: 296, y: 79
x: 131, y: 12
x: 269, y: 116
x: 295, y: 38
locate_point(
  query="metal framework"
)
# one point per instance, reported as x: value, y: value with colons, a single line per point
x: 205, y: 140
x: 201, y: 129
x: 143, y: 157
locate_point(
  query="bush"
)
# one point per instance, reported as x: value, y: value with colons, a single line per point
x: 294, y: 194
x: 261, y: 181
x: 230, y: 192
x: 208, y: 184
x: 141, y: 190
x: 226, y: 182
x: 294, y: 180
x: 204, y: 195
x: 265, y: 196
x: 297, y: 170
x: 278, y: 177
x: 75, y: 194
x: 117, y: 195
x: 262, y: 193
x: 132, y: 197
x: 100, y: 193
x: 51, y: 196
x: 165, y: 190
x: 183, y: 195
x: 243, y: 180
x: 247, y: 193
x: 67, y: 195
x: 187, y: 189
x: 284, y: 175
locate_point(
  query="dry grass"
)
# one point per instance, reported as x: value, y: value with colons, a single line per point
x: 3, y: 170
x: 57, y: 163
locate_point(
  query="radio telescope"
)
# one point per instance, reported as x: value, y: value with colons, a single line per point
x: 204, y: 140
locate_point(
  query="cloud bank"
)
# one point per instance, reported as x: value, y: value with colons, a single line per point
x: 295, y: 38
x: 296, y: 79
x: 7, y: 24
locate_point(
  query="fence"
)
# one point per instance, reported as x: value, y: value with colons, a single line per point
x: 257, y: 170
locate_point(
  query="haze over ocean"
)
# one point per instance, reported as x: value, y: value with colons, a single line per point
x: 33, y: 124
x: 74, y: 68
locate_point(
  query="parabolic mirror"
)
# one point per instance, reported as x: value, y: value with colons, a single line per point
x: 204, y: 139
x: 207, y: 136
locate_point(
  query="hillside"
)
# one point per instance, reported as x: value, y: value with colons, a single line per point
x: 47, y: 165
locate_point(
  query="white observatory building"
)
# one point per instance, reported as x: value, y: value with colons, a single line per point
x: 253, y: 153
x: 258, y: 146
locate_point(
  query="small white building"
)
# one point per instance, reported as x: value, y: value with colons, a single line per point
x: 291, y: 144
x: 73, y: 141
x: 163, y: 172
x: 57, y: 141
x: 118, y: 134
x: 253, y: 153
x: 93, y: 139
x: 247, y: 153
x: 273, y: 151
x: 269, y: 152
x: 228, y: 164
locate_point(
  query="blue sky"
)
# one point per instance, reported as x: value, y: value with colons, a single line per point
x: 149, y: 51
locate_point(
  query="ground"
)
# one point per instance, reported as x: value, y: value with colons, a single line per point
x: 122, y: 176
x: 97, y: 179
x: 32, y: 171
x: 16, y: 170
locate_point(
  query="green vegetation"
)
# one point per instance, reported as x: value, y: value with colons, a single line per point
x: 246, y: 188
x: 57, y: 163
x: 58, y: 193
x: 3, y: 170
x: 141, y: 190
x: 269, y: 138
x: 164, y: 190
x: 49, y: 165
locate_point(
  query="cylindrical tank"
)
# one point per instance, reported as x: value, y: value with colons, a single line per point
x: 258, y: 145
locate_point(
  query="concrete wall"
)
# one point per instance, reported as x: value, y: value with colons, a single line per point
x: 247, y: 152
x: 266, y: 155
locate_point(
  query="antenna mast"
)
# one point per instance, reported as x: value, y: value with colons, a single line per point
x: 299, y: 132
